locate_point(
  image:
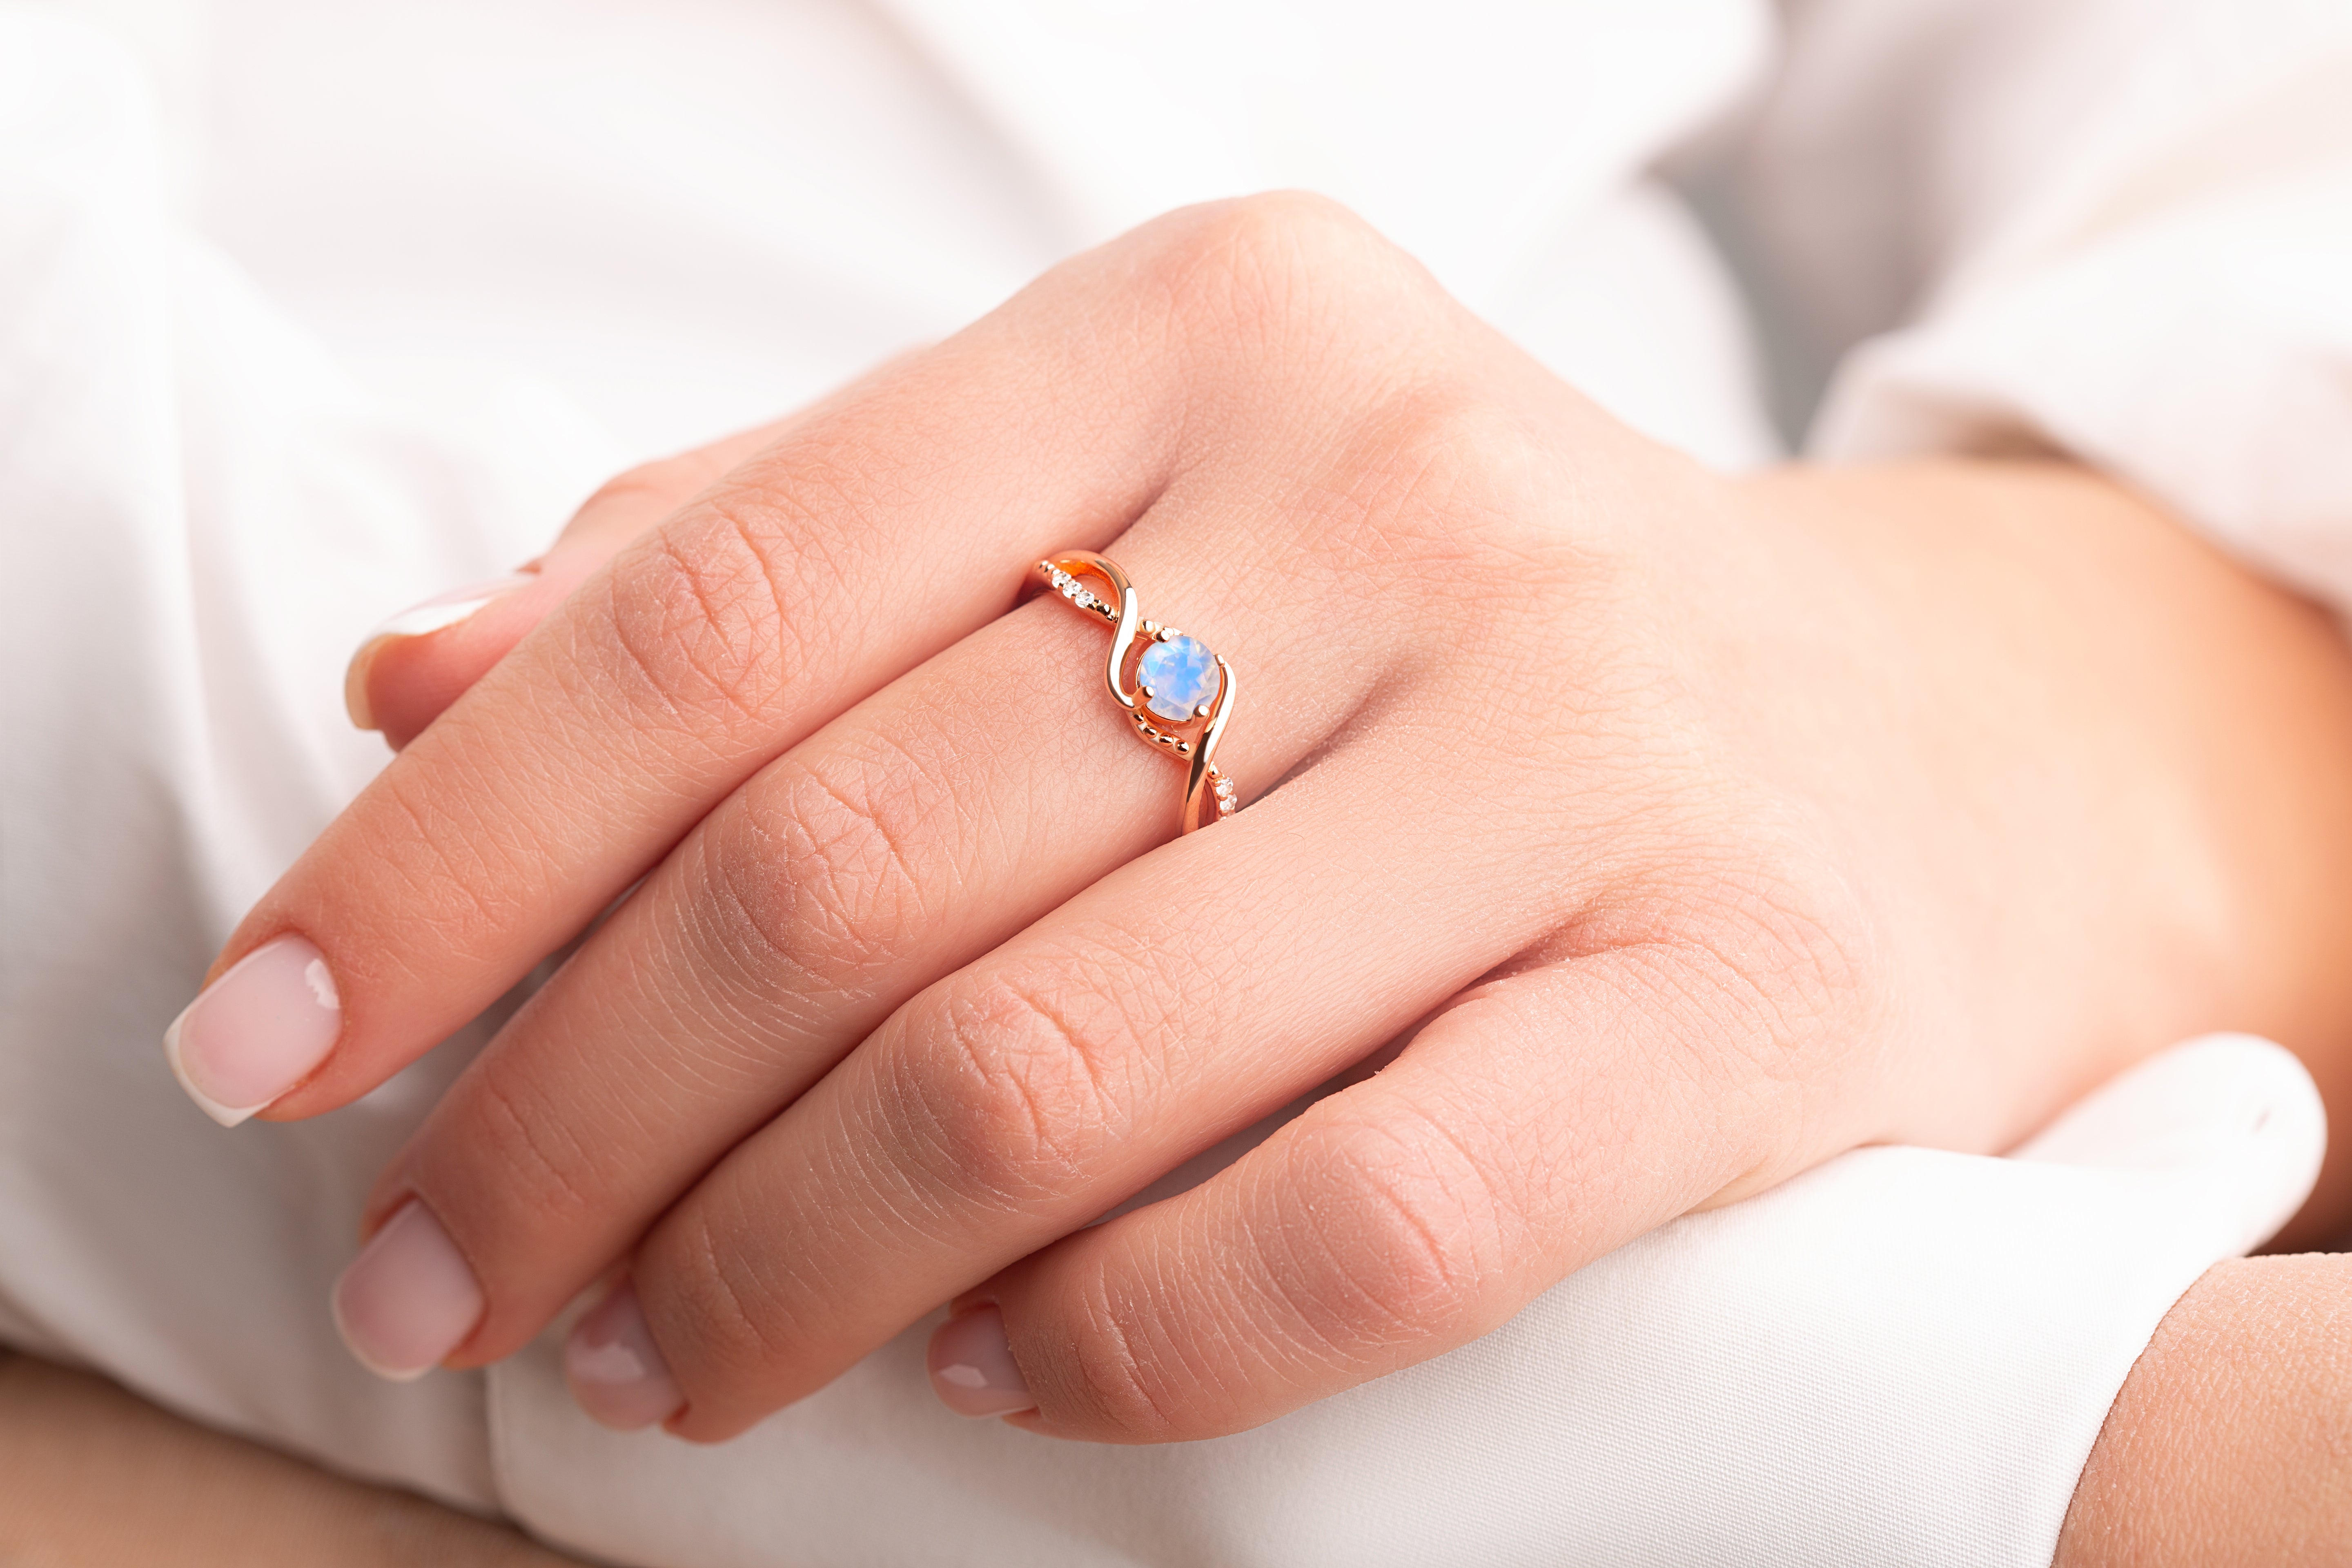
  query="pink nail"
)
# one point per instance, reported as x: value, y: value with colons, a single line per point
x: 972, y: 1370
x: 407, y: 1300
x: 616, y: 1372
x: 257, y: 1031
x: 434, y: 613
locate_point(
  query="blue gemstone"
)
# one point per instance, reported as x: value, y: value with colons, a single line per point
x: 1181, y: 673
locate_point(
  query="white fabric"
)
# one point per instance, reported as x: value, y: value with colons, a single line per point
x: 309, y: 311
x: 2129, y: 223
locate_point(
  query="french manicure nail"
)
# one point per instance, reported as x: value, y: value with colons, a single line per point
x: 407, y: 1300
x: 434, y: 613
x: 616, y: 1372
x: 257, y: 1031
x: 972, y: 1370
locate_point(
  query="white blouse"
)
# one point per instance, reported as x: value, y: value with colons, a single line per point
x: 308, y: 309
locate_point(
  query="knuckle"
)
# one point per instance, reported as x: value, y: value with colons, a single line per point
x: 1442, y: 478
x: 1016, y: 1092
x: 1773, y: 970
x: 1286, y: 225
x: 1388, y: 1237
x: 720, y: 1306
x: 504, y: 1164
x: 708, y: 621
x: 465, y: 860
x: 1789, y: 948
x: 1272, y: 266
x: 1129, y: 1387
x: 815, y: 875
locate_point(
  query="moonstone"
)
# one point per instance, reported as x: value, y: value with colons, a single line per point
x: 1181, y: 673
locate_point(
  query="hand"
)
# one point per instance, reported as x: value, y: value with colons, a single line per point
x: 1685, y: 831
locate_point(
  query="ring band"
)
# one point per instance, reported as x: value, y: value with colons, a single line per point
x: 1177, y: 692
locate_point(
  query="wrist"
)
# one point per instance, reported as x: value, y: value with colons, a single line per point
x: 2152, y: 742
x: 2224, y: 1446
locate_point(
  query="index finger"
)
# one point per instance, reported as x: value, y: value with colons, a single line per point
x: 406, y: 674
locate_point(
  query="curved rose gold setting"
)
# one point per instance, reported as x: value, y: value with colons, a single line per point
x: 1208, y: 793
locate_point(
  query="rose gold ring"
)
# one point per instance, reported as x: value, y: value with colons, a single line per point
x: 1178, y: 693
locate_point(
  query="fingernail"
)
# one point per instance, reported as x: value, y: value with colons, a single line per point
x: 441, y: 610
x: 407, y: 1300
x: 972, y: 1370
x: 616, y: 1372
x: 257, y: 1031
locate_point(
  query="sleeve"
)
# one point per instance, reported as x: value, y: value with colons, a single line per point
x: 2117, y: 229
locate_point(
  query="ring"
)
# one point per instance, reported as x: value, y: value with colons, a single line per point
x: 1178, y: 693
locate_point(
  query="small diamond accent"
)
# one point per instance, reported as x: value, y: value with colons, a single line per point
x: 1227, y: 803
x: 1070, y: 589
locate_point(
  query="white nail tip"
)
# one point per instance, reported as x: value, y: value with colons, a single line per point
x: 226, y: 1115
x: 425, y: 618
x: 351, y: 1344
x: 446, y: 611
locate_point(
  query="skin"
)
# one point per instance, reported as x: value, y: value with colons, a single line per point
x: 96, y: 1475
x: 1686, y: 832
x: 2226, y: 1448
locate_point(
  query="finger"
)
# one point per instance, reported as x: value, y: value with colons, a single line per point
x: 418, y: 662
x: 842, y: 555
x: 1542, y: 1122
x: 909, y: 837
x: 411, y: 667
x: 1166, y: 1007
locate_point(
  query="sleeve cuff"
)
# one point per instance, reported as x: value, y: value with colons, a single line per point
x: 2203, y: 355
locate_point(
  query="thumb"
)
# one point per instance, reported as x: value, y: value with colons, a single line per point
x: 414, y: 666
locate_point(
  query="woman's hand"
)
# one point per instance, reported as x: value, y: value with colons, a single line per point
x: 1683, y: 832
